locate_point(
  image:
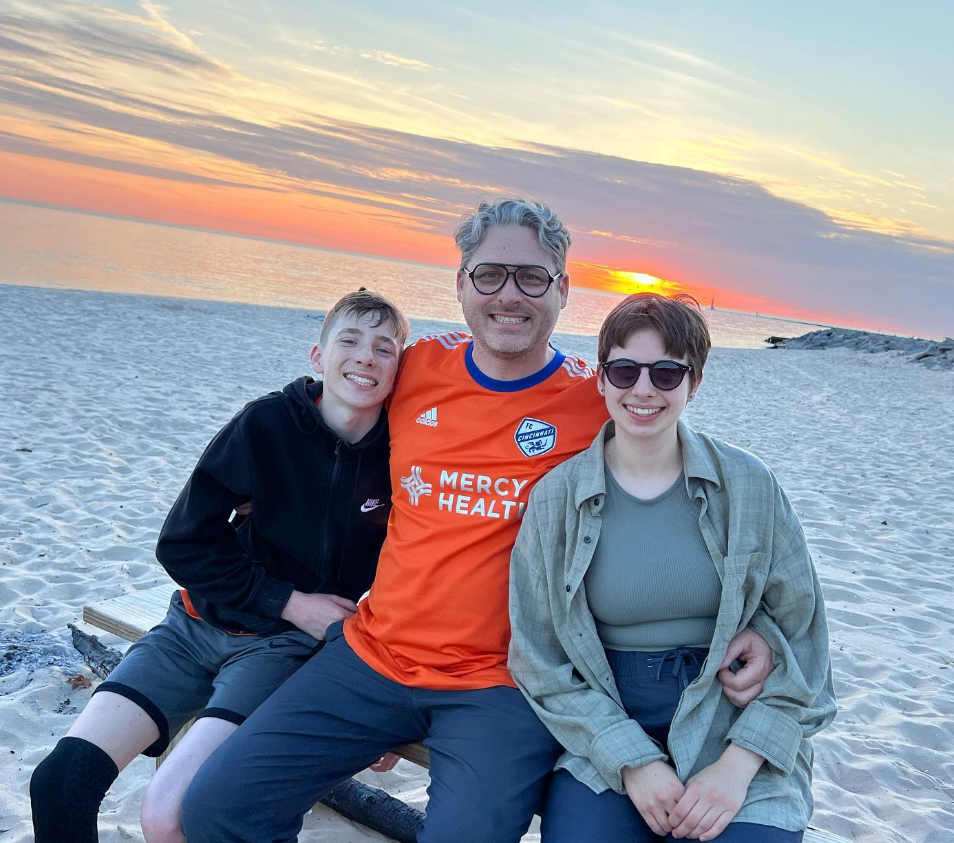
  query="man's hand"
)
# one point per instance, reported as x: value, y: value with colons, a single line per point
x: 714, y: 795
x: 314, y: 613
x: 749, y: 648
x: 654, y: 789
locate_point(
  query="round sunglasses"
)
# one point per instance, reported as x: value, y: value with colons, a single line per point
x: 663, y: 374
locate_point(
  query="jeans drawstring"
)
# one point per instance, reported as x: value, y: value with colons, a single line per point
x: 681, y: 656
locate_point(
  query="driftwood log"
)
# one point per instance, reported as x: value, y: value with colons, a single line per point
x: 100, y: 658
x: 369, y: 806
x: 375, y: 809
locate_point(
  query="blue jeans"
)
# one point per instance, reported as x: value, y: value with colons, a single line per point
x: 650, y: 685
x: 490, y: 755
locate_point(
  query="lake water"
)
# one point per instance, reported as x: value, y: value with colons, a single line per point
x: 48, y: 247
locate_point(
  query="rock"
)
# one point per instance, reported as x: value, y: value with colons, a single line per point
x: 939, y: 355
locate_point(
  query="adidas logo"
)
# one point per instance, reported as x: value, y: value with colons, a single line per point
x: 428, y: 417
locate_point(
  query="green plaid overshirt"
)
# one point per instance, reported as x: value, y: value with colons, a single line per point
x: 768, y: 583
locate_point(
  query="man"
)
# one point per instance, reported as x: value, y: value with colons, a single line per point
x: 475, y: 422
x: 313, y: 462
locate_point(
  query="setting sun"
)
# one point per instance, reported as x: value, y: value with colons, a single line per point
x: 644, y: 279
x: 637, y: 282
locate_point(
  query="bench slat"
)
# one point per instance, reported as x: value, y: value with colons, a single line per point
x: 131, y: 615
x: 816, y: 835
x: 416, y: 752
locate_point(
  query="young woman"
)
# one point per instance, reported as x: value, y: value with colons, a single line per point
x: 636, y: 563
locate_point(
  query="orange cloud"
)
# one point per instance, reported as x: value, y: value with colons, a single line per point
x: 337, y: 223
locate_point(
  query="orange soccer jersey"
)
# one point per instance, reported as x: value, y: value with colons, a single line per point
x: 465, y: 452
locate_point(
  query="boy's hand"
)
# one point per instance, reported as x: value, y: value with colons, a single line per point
x: 654, y: 789
x: 714, y: 795
x: 314, y: 613
x: 756, y: 656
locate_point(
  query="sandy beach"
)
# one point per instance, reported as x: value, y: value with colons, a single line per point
x: 108, y: 400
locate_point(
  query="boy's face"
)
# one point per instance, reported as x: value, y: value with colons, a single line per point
x: 358, y: 362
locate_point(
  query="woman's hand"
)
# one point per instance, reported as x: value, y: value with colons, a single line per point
x: 654, y: 789
x: 714, y: 795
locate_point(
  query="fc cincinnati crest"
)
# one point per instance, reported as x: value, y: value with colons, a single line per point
x: 535, y: 437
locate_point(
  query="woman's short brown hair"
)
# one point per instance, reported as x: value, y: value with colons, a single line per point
x: 678, y: 320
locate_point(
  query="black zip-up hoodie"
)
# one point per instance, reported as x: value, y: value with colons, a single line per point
x: 319, y: 513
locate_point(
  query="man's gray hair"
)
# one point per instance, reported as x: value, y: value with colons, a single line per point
x: 553, y: 234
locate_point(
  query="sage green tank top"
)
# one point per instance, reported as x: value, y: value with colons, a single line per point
x: 651, y: 584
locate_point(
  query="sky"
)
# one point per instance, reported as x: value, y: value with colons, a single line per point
x: 792, y: 159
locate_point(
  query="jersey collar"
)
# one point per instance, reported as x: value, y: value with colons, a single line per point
x: 495, y: 385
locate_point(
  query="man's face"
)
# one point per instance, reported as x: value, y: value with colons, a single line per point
x: 508, y: 324
x: 358, y: 361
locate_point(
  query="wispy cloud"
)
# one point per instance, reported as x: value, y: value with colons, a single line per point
x: 394, y: 60
x: 11, y: 142
x: 630, y: 105
x: 679, y: 67
x: 80, y: 34
x: 669, y: 52
x: 12, y: 46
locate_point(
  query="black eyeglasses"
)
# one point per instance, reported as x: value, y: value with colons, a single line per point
x: 663, y: 374
x: 532, y: 281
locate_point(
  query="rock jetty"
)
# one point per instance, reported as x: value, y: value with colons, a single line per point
x: 936, y: 355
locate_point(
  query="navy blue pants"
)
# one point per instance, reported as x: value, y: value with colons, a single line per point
x: 490, y: 755
x: 650, y: 685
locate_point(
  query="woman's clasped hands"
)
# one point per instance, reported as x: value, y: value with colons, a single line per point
x: 703, y: 807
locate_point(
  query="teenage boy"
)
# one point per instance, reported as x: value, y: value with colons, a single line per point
x: 475, y: 422
x: 255, y: 601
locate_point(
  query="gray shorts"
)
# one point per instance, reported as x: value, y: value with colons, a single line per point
x: 184, y: 668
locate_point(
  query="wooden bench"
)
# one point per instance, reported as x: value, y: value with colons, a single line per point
x: 131, y: 615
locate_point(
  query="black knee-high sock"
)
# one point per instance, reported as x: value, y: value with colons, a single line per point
x: 67, y: 789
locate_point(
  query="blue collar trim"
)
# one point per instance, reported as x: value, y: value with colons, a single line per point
x: 495, y: 385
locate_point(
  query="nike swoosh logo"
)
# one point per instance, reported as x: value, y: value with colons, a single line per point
x: 366, y: 508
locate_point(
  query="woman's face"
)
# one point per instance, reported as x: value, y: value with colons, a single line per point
x: 643, y: 411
